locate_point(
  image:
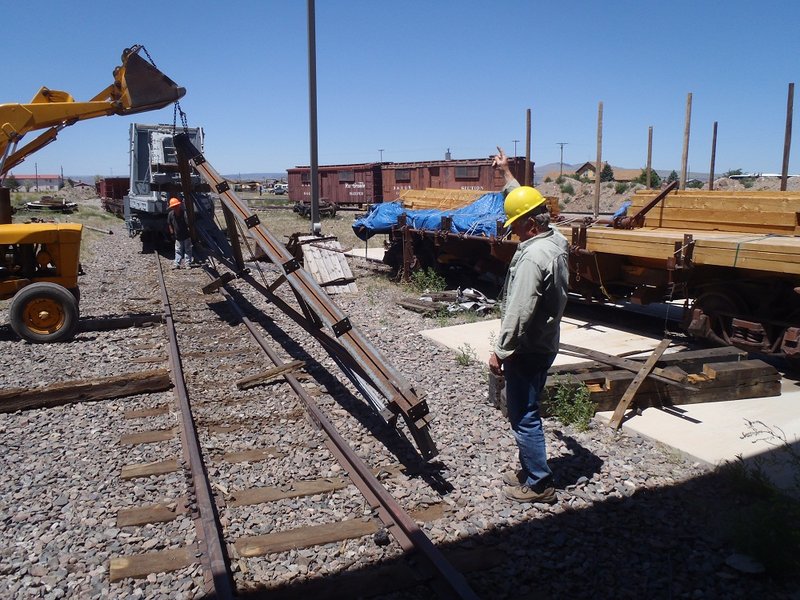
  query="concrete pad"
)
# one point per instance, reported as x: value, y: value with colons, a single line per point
x: 374, y: 254
x: 712, y: 433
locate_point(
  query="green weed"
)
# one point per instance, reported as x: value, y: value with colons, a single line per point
x: 466, y: 355
x: 570, y: 402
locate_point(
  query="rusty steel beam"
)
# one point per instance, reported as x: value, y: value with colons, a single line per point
x: 317, y: 306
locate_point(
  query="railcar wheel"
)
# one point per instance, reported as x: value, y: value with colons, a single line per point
x: 721, y: 308
x: 44, y: 312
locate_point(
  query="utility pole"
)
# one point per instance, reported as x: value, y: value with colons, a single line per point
x: 561, y: 162
x: 687, y: 128
x: 713, y: 157
x: 381, y: 151
x: 316, y: 225
x: 598, y: 167
x: 649, y: 156
x: 515, y: 148
x: 787, y: 143
x: 528, y: 174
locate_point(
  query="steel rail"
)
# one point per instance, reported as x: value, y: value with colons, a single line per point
x: 449, y: 582
x: 214, y: 557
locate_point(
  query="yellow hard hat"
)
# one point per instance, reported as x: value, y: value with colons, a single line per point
x: 520, y: 201
x: 173, y: 202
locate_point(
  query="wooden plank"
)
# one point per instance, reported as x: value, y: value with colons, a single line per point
x: 70, y: 392
x: 148, y: 437
x: 627, y: 397
x: 314, y: 535
x: 255, y: 455
x: 147, y: 412
x: 153, y: 513
x: 262, y: 378
x: 148, y: 469
x: 139, y: 566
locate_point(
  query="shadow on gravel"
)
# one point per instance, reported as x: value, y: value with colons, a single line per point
x: 400, y: 446
x: 671, y: 542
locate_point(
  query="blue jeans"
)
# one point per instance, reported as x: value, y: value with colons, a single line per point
x: 525, y: 379
x: 183, y: 248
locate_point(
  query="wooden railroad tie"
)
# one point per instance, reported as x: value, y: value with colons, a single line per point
x: 85, y: 390
x: 268, y: 375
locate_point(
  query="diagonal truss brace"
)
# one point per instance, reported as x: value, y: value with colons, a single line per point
x: 349, y: 347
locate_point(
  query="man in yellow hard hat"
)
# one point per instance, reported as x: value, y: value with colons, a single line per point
x: 178, y: 226
x: 534, y: 298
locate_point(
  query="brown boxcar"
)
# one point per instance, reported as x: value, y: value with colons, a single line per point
x: 342, y: 185
x: 368, y: 183
x: 465, y: 174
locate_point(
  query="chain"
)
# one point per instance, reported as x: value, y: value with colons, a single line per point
x: 177, y: 108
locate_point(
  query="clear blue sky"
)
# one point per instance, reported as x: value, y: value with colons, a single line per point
x: 416, y: 78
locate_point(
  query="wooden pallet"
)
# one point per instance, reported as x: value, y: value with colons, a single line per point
x: 325, y: 260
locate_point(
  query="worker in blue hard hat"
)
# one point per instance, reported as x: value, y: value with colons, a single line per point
x: 534, y: 298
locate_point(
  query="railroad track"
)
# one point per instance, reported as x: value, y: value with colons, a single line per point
x: 261, y: 483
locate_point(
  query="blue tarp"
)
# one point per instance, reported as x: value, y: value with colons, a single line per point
x: 478, y: 218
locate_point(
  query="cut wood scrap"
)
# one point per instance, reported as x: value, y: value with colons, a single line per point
x: 268, y: 375
x: 70, y: 392
x: 627, y: 397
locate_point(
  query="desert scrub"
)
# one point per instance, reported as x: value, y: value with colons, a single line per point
x: 567, y: 189
x: 466, y: 355
x: 427, y: 280
x: 570, y: 402
x: 620, y: 188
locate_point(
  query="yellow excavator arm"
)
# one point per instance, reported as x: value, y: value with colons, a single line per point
x: 138, y: 86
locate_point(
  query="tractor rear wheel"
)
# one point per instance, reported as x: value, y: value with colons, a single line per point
x: 44, y: 312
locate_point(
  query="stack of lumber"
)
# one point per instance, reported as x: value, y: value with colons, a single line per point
x: 769, y: 252
x: 439, y: 198
x: 715, y: 381
x: 716, y: 373
x: 747, y: 212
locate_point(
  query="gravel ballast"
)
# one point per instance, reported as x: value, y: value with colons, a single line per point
x: 633, y: 518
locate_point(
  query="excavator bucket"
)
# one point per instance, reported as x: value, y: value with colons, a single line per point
x: 143, y: 87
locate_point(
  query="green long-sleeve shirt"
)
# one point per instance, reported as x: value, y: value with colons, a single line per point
x: 534, y: 296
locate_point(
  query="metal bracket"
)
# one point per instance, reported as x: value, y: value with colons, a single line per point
x: 252, y: 221
x: 222, y: 187
x: 342, y: 327
x: 199, y: 160
x: 290, y: 266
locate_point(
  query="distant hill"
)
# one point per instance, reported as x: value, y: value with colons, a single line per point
x: 255, y: 176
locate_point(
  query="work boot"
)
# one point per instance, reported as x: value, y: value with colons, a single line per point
x: 523, y: 493
x: 514, y: 478
x: 175, y: 266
